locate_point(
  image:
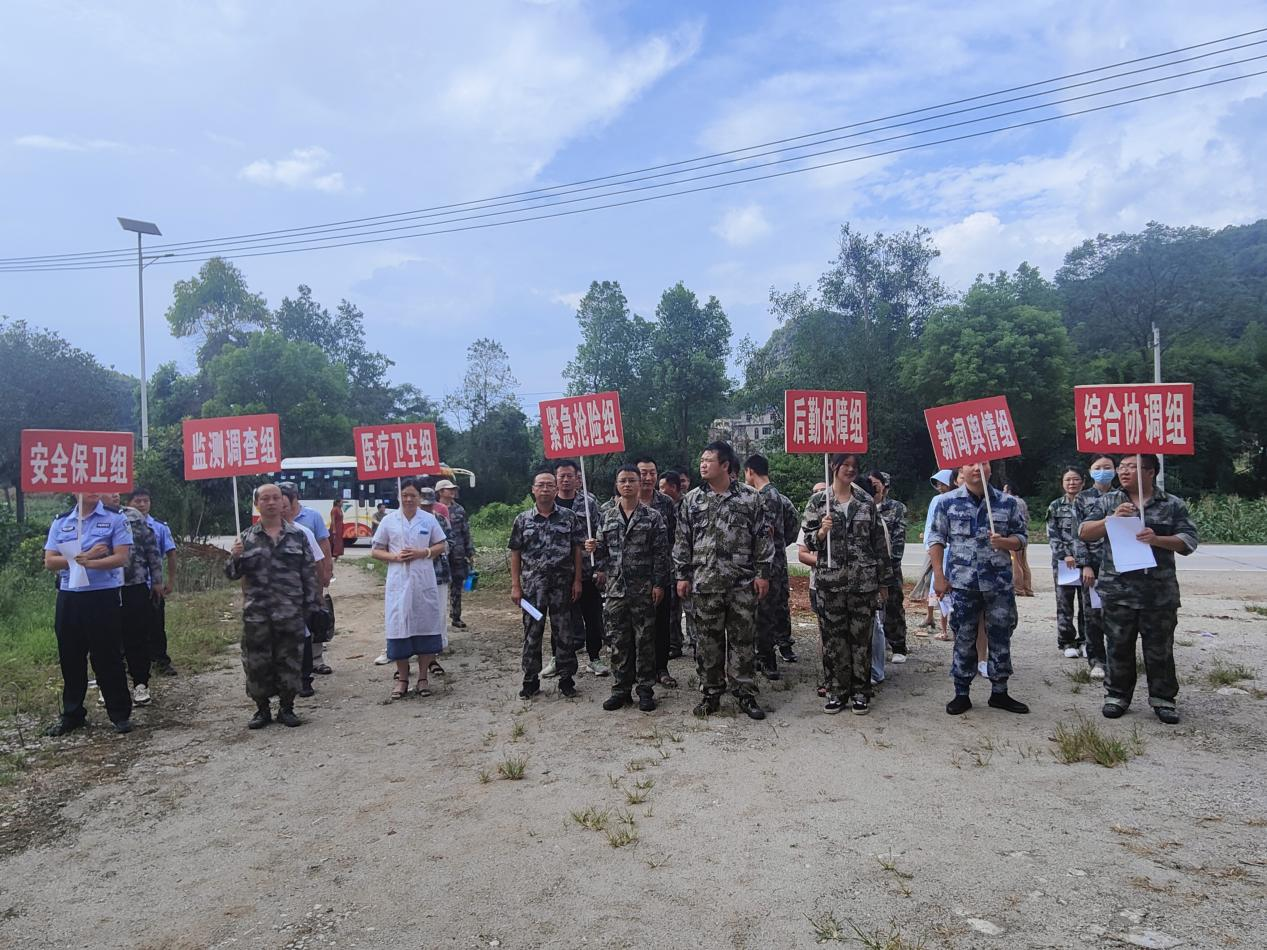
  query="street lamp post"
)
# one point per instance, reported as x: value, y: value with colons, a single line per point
x: 142, y: 227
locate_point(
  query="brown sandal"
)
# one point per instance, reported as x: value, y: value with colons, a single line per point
x: 422, y: 688
x: 400, y: 688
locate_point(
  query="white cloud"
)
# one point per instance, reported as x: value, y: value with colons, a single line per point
x: 739, y: 227
x: 71, y: 144
x: 303, y: 170
x: 569, y: 299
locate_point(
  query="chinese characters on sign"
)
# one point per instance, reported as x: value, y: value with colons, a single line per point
x: 1128, y: 419
x: 974, y: 431
x: 819, y: 420
x: 390, y: 451
x: 232, y: 445
x: 582, y: 425
x: 56, y: 460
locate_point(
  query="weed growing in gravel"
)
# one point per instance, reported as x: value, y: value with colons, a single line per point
x: 613, y: 780
x: 827, y: 928
x: 889, y: 863
x: 490, y: 737
x: 1255, y: 609
x: 512, y: 767
x: 891, y: 939
x: 1083, y: 742
x: 1081, y: 676
x: 618, y: 839
x: 636, y: 797
x: 645, y: 784
x: 516, y: 732
x: 484, y: 777
x: 1225, y: 674
x: 654, y: 863
x: 592, y: 818
x: 635, y: 765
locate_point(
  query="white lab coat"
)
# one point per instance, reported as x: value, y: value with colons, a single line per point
x: 412, y: 601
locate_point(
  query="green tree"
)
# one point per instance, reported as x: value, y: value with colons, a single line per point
x: 216, y: 306
x: 487, y: 385
x: 689, y: 387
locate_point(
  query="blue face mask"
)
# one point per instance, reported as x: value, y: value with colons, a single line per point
x: 1102, y: 476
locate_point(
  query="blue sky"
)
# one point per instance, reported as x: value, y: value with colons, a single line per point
x: 223, y: 118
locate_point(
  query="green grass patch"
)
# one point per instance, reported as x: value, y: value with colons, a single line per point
x: 1229, y: 674
x: 1083, y: 742
x: 1255, y: 609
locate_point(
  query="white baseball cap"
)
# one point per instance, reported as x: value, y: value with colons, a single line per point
x: 444, y: 483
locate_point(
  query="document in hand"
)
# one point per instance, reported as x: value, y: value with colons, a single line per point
x: 1067, y: 576
x: 530, y: 610
x: 77, y: 578
x: 1129, y: 553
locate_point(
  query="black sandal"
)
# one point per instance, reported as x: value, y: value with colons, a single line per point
x: 322, y: 670
x: 666, y: 680
x: 435, y: 669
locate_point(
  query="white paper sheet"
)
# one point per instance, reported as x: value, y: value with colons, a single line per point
x: 1096, y: 602
x: 1129, y: 553
x: 1067, y: 576
x: 530, y: 610
x: 77, y: 578
x: 944, y: 606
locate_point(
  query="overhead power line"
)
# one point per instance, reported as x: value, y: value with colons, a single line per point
x: 330, y: 236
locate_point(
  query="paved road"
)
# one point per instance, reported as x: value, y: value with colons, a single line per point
x: 1218, y: 558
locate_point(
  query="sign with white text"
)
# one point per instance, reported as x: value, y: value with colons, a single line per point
x: 582, y: 425
x: 1126, y: 420
x: 822, y: 420
x: 232, y: 445
x: 63, y: 460
x: 975, y: 431
x: 391, y: 451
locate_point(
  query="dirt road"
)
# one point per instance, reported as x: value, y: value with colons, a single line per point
x: 378, y: 825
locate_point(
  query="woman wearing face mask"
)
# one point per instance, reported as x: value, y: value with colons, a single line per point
x: 1087, y: 555
x: 1062, y: 535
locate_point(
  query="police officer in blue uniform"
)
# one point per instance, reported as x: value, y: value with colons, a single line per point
x: 89, y: 616
x: 167, y: 550
x: 977, y: 573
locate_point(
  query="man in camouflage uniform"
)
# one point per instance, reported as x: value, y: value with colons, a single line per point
x: 632, y: 554
x: 545, y: 569
x: 774, y: 618
x: 145, y: 561
x: 851, y: 584
x: 671, y: 488
x: 722, y: 559
x: 893, y: 514
x: 587, y: 612
x: 652, y: 497
x: 1142, y: 603
x: 461, y: 551
x: 979, y: 581
x: 280, y: 590
x: 1087, y: 556
x: 1062, y: 534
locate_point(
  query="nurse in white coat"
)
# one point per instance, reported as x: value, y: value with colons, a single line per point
x: 409, y: 540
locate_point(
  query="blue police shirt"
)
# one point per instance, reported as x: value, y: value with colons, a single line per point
x: 100, y: 527
x: 309, y: 518
x: 960, y: 523
x: 166, y: 544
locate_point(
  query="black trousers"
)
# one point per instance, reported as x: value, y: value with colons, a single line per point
x: 587, y: 614
x: 138, y: 624
x: 662, y: 628
x: 158, y: 636
x: 89, y: 625
x: 306, y: 664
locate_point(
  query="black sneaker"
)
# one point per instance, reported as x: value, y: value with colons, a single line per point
x: 1112, y: 711
x: 458, y: 624
x: 771, y: 673
x: 123, y: 726
x: 833, y: 704
x: 531, y: 688
x: 707, y: 706
x: 63, y: 726
x: 788, y: 654
x: 568, y: 688
x: 860, y: 705
x: 306, y: 690
x: 616, y: 701
x: 261, y: 719
x: 286, y: 716
x: 675, y: 654
x: 1167, y: 714
x: 750, y: 705
x: 1007, y: 703
x: 167, y: 670
x: 959, y: 705
x: 646, y: 702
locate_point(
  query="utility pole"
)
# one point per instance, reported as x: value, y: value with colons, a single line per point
x: 1161, y: 474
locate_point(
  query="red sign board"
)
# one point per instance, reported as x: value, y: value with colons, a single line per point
x: 582, y: 425
x: 1127, y: 419
x: 232, y: 445
x: 60, y: 460
x: 822, y: 420
x: 388, y: 451
x: 974, y: 431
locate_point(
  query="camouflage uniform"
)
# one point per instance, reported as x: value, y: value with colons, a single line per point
x: 587, y: 610
x: 774, y: 618
x: 145, y: 561
x: 443, y: 569
x: 893, y: 514
x: 279, y: 590
x: 1062, y: 532
x: 1088, y: 554
x: 460, y: 552
x: 1143, y: 604
x: 980, y: 580
x: 722, y: 545
x: 634, y: 554
x: 860, y: 566
x: 546, y: 544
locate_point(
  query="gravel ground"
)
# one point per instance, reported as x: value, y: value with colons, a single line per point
x: 389, y: 825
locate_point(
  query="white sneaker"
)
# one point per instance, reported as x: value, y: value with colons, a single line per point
x: 1097, y: 672
x: 1082, y: 651
x: 898, y: 658
x: 141, y: 694
x: 101, y: 698
x: 1071, y: 653
x: 598, y: 668
x: 548, y: 669
x: 381, y: 659
x: 983, y: 668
